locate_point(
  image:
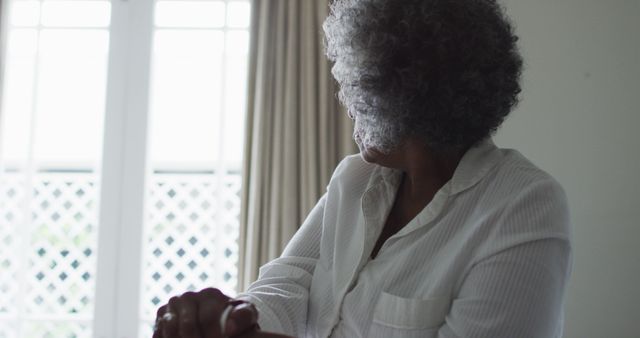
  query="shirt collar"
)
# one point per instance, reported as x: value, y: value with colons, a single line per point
x: 473, y: 166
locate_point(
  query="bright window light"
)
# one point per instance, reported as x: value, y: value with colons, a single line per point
x: 61, y: 82
x: 76, y: 13
x: 238, y: 14
x: 186, y: 94
x: 190, y: 14
x: 18, y: 98
x: 196, y: 132
x: 71, y: 95
x: 53, y: 105
x: 25, y: 13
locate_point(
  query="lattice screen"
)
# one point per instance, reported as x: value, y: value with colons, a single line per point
x: 12, y: 214
x: 48, y: 263
x: 58, y: 330
x: 190, y: 237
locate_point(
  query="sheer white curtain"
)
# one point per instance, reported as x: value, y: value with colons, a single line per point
x: 296, y: 132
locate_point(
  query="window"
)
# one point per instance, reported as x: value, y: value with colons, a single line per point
x: 120, y: 157
x: 195, y: 149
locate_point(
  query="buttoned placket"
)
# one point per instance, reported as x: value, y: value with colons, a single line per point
x: 383, y: 192
x: 373, y: 223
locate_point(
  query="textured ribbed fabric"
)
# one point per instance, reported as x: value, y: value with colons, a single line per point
x: 489, y: 256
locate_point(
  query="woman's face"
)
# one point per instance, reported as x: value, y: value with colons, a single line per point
x: 369, y: 154
x: 367, y: 151
x: 366, y: 134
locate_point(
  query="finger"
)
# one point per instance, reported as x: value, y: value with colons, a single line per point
x: 157, y: 329
x: 161, y: 311
x: 243, y: 318
x: 211, y: 303
x: 248, y: 334
x: 261, y: 334
x: 212, y: 293
x: 170, y: 325
x: 187, y: 309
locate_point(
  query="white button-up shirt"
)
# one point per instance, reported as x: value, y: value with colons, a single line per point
x: 489, y: 256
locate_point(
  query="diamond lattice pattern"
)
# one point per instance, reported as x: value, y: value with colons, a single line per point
x: 190, y: 237
x: 12, y: 199
x: 52, y: 256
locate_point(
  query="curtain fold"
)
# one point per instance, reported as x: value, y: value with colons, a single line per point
x: 296, y: 131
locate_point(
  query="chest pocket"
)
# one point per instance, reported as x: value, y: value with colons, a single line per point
x: 408, y: 317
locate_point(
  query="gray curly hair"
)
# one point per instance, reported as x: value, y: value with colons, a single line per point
x: 444, y: 71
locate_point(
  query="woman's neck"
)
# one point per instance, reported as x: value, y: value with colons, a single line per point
x: 425, y: 172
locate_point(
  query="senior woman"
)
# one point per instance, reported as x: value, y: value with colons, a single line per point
x: 431, y: 231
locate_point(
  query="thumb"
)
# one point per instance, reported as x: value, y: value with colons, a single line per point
x: 242, y: 318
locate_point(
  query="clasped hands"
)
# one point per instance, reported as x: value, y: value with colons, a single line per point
x: 208, y: 314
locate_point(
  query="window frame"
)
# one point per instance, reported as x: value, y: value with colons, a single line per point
x: 123, y: 171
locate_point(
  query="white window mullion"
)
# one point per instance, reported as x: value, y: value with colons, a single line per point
x: 123, y: 171
x: 26, y: 228
x: 135, y: 159
x: 111, y: 184
x: 4, y: 7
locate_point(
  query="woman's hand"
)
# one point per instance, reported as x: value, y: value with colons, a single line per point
x: 198, y: 315
x: 262, y: 334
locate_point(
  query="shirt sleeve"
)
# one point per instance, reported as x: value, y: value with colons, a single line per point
x: 281, y: 293
x: 517, y: 288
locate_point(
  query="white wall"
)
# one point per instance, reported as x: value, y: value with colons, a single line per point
x: 579, y: 120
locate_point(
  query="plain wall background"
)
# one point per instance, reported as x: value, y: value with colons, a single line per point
x: 579, y: 120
